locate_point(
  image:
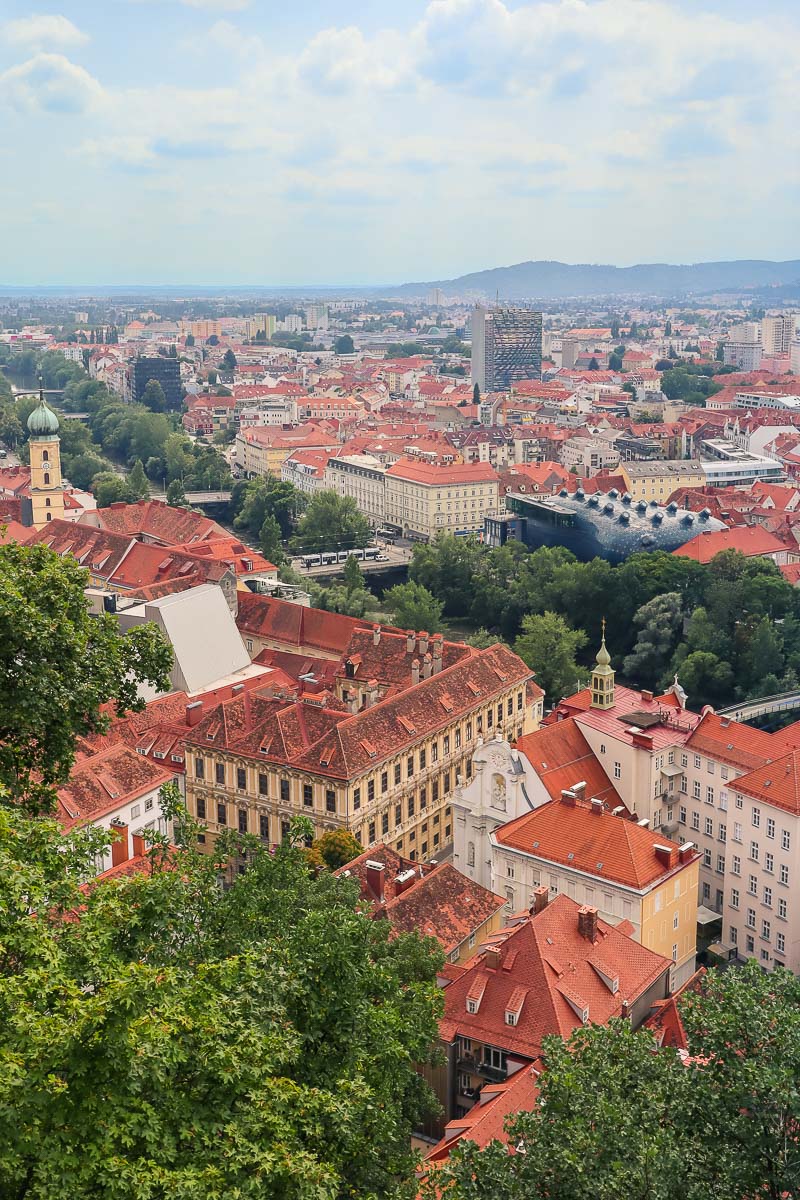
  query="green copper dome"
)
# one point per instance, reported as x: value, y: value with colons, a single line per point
x: 42, y: 422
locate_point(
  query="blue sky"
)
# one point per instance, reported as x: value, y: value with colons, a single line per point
x: 252, y: 141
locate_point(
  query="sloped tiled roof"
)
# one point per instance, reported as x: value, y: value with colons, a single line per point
x: 294, y: 625
x: 750, y: 540
x: 155, y: 519
x: 592, y: 841
x: 776, y: 783
x: 107, y: 780
x: 561, y: 757
x: 485, y: 1122
x: 547, y: 955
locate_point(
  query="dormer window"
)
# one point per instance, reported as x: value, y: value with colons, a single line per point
x: 511, y: 1018
x: 472, y: 1006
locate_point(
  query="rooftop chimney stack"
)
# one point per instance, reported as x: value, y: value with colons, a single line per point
x: 376, y: 872
x: 119, y: 847
x: 376, y: 636
x: 686, y: 851
x: 597, y: 806
x: 423, y: 642
x: 664, y: 855
x: 415, y: 671
x: 587, y: 922
x: 194, y: 712
x: 139, y: 845
x: 568, y: 797
x: 579, y: 790
x: 427, y: 666
x: 411, y: 641
x: 491, y: 958
x: 541, y: 898
x: 404, y: 881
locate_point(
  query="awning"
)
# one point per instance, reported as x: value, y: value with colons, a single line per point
x: 671, y: 770
x: 706, y: 915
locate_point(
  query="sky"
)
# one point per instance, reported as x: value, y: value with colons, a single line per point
x: 361, y: 141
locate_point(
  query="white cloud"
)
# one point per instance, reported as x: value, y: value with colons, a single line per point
x: 217, y: 5
x: 50, y: 83
x: 43, y: 30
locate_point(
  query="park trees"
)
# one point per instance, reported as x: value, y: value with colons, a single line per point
x: 414, y: 607
x: 58, y: 666
x: 549, y: 646
x: 332, y: 522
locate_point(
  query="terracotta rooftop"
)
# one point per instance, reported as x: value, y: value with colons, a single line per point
x: 561, y: 757
x: 109, y: 779
x: 739, y: 745
x: 776, y: 783
x: 750, y: 540
x: 564, y: 977
x: 157, y: 521
x: 672, y: 727
x: 486, y: 1121
x: 452, y: 475
x: 294, y: 625
x: 589, y: 839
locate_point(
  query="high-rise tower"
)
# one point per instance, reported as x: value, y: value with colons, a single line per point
x: 506, y: 347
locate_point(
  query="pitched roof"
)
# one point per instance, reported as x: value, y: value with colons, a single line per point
x: 561, y: 757
x: 776, y: 783
x: 562, y: 972
x: 105, y: 781
x: 739, y: 745
x: 294, y: 625
x: 389, y: 662
x: 485, y: 1121
x: 451, y: 475
x: 750, y: 540
x: 159, y: 521
x: 590, y: 839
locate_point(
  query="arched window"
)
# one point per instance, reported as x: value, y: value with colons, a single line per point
x: 47, y: 503
x: 49, y: 516
x: 46, y: 477
x: 45, y: 456
x: 470, y: 854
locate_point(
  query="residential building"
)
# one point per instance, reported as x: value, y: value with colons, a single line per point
x: 753, y: 541
x: 777, y: 333
x: 260, y: 323
x: 363, y: 478
x: 262, y: 450
x: 762, y: 865
x: 424, y: 499
x: 386, y: 772
x: 317, y: 316
x: 506, y: 347
x: 166, y: 371
x: 433, y: 900
x: 746, y: 356
x: 658, y: 479
x: 547, y: 972
x: 585, y: 456
x: 576, y: 846
x: 306, y: 470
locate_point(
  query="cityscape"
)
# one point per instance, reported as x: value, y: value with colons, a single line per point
x: 400, y: 636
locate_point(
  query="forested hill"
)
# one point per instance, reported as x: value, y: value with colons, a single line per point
x: 553, y: 279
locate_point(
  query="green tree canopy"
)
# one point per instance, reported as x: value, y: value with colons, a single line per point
x: 344, y: 345
x: 229, y: 360
x: 336, y: 847
x: 110, y: 488
x: 269, y: 540
x: 549, y: 646
x: 257, y: 499
x: 414, y: 607
x: 352, y: 575
x: 659, y: 623
x: 58, y: 666
x: 178, y: 1040
x: 137, y: 481
x: 332, y: 522
x: 153, y: 397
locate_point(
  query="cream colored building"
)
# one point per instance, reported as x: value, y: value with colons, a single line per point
x: 423, y: 499
x: 658, y: 479
x: 46, y: 488
x: 363, y: 478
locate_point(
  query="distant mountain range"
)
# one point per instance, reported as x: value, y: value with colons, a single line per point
x: 546, y: 280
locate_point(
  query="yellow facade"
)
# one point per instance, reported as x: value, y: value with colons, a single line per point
x: 47, y: 489
x: 424, y: 509
x: 669, y: 916
x: 402, y: 800
x: 658, y: 479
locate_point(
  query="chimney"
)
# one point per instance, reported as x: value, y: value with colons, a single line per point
x: 375, y: 877
x: 427, y: 666
x: 644, y: 823
x: 642, y: 739
x: 237, y: 689
x: 597, y: 806
x: 647, y: 695
x: 437, y: 645
x: 404, y: 881
x: 664, y: 855
x: 119, y: 846
x: 139, y: 845
x: 685, y: 852
x: 568, y: 797
x: 415, y: 671
x: 541, y: 898
x: 411, y: 641
x: 626, y: 1010
x: 376, y: 635
x: 423, y: 642
x: 587, y: 922
x: 491, y: 958
x: 194, y: 712
x: 579, y: 790
x: 351, y: 700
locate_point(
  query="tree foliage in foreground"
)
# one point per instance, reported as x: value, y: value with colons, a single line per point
x: 619, y: 1120
x: 180, y: 1041
x: 58, y: 666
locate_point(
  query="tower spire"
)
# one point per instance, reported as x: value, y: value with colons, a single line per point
x: 603, y: 675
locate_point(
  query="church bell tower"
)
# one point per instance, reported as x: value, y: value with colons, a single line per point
x: 47, y: 490
x: 603, y: 676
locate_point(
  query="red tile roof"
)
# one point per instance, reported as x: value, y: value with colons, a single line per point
x: 561, y: 757
x: 453, y: 475
x: 561, y: 971
x: 673, y: 727
x: 739, y: 745
x: 109, y: 779
x: 294, y: 625
x: 750, y: 540
x: 591, y: 840
x: 485, y: 1122
x: 157, y: 522
x: 437, y: 901
x: 776, y: 783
